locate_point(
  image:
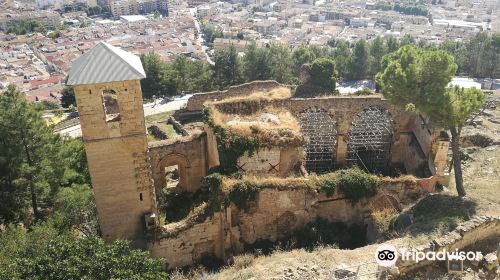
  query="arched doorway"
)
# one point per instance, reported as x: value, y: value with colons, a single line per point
x: 321, y: 130
x: 370, y: 140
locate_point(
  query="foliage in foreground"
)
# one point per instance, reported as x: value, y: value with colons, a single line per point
x: 45, y: 253
x: 35, y: 163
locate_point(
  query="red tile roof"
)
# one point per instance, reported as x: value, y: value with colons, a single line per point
x: 52, y: 80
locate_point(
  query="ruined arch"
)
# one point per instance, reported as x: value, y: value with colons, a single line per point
x: 321, y: 130
x: 171, y: 160
x: 370, y: 140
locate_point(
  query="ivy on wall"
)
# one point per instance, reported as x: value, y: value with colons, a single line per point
x: 229, y: 145
x: 353, y: 184
x: 356, y: 184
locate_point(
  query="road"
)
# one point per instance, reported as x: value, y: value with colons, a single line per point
x: 153, y: 108
x: 204, y: 48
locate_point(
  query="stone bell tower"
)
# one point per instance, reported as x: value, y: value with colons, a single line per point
x: 107, y: 87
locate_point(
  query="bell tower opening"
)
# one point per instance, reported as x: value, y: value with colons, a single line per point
x: 111, y: 107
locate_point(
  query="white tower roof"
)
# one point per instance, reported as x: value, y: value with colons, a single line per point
x: 104, y: 63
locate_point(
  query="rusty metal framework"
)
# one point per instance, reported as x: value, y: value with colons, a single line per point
x: 370, y: 139
x: 320, y: 129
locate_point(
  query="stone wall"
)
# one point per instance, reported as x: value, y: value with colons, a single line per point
x: 411, y: 141
x: 276, y: 161
x: 200, y: 240
x: 195, y: 103
x: 191, y: 155
x: 468, y: 236
x: 117, y: 157
x: 274, y: 214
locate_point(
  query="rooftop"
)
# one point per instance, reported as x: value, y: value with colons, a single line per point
x: 104, y: 63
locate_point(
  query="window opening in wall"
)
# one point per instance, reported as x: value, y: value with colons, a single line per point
x: 140, y: 196
x: 172, y: 176
x: 110, y: 103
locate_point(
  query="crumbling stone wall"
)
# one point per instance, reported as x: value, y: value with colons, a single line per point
x: 465, y: 237
x: 192, y: 244
x: 195, y: 103
x: 275, y: 161
x: 274, y: 214
x: 190, y: 153
x: 407, y: 128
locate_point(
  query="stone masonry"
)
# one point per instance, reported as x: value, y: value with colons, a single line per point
x: 118, y: 160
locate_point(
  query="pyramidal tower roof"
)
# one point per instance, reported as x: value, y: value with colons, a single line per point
x: 104, y: 63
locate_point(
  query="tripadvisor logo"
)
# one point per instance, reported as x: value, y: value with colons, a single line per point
x: 387, y: 255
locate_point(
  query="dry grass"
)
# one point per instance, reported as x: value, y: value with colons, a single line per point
x: 272, y: 126
x: 246, y: 125
x: 274, y: 94
x: 161, y: 117
x: 400, y: 179
x: 300, y: 183
x: 383, y: 220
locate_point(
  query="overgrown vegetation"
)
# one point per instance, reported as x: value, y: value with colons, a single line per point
x: 384, y: 221
x: 364, y: 91
x: 47, y: 206
x: 354, y: 184
x: 243, y: 192
x: 45, y: 253
x: 440, y: 213
x: 328, y: 184
x: 218, y: 190
x: 229, y: 145
x: 216, y: 198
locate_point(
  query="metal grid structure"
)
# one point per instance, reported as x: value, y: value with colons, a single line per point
x: 370, y: 139
x: 320, y: 128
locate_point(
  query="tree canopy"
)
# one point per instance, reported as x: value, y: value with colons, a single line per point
x: 45, y: 253
x: 418, y: 80
x: 27, y: 26
x: 323, y: 73
x: 276, y: 61
x: 46, y: 176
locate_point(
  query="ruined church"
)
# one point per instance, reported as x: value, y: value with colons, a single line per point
x: 279, y: 145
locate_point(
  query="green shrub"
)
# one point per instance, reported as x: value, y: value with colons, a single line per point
x: 215, y: 197
x: 383, y: 221
x: 356, y: 184
x: 364, y: 91
x: 327, y: 184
